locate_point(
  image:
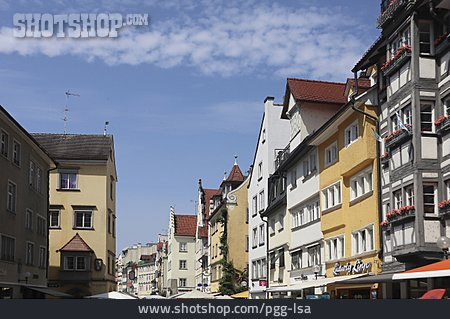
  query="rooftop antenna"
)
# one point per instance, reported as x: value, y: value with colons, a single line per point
x: 105, y: 128
x: 66, y: 109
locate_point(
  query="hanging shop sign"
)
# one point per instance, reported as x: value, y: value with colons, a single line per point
x: 358, y: 267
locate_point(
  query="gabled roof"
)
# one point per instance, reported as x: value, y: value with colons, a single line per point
x: 76, y: 146
x: 203, y: 232
x: 209, y: 194
x: 76, y: 244
x: 185, y: 225
x: 363, y: 85
x: 317, y: 91
x: 235, y: 174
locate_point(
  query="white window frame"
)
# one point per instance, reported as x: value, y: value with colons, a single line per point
x: 361, y: 183
x: 183, y: 264
x: 83, y: 222
x: 332, y: 192
x: 4, y: 144
x: 16, y: 154
x: 260, y: 170
x: 255, y: 237
x: 262, y: 234
x: 353, y: 131
x: 293, y: 178
x: 435, y: 194
x: 299, y: 253
x: 29, y: 260
x: 13, y: 248
x: 183, y: 247
x: 335, y: 247
x: 360, y: 240
x: 332, y: 159
x: 11, y: 198
x: 254, y: 205
x: 42, y: 257
x: 67, y: 186
x: 29, y: 219
x: 262, y: 204
x: 41, y: 221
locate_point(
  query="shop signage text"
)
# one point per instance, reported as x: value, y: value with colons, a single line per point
x: 358, y: 268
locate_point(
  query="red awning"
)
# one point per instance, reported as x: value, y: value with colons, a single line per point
x: 439, y: 269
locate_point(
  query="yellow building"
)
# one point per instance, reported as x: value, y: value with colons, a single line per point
x: 82, y: 239
x: 228, y: 224
x: 349, y: 196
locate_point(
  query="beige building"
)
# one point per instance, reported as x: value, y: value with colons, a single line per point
x: 229, y: 224
x: 82, y: 216
x: 24, y: 168
x: 181, y: 253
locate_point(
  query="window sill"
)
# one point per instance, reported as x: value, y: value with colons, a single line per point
x: 328, y: 210
x: 68, y: 190
x: 5, y: 156
x: 10, y: 211
x: 56, y: 228
x: 260, y: 178
x: 311, y: 174
x: 80, y: 228
x: 329, y: 164
x: 16, y: 164
x: 361, y: 198
x: 272, y: 234
x: 261, y: 244
x: 364, y: 254
x: 306, y: 224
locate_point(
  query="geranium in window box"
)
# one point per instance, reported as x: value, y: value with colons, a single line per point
x: 401, y: 55
x: 384, y: 224
x: 397, y: 137
x: 401, y: 213
x: 444, y: 207
x: 442, y: 124
x: 442, y: 43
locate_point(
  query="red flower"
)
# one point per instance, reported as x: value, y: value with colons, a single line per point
x: 444, y: 203
x: 441, y: 38
x: 384, y: 223
x: 397, y: 54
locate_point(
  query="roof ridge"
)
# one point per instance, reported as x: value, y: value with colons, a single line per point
x: 73, y: 134
x: 316, y: 81
x: 195, y: 215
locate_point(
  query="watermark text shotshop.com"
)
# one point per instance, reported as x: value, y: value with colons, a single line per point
x: 74, y: 25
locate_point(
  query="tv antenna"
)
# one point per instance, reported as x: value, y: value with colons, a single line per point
x: 66, y: 109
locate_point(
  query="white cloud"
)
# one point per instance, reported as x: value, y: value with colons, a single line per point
x: 223, y: 40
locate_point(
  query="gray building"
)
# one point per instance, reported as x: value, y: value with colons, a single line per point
x: 409, y: 65
x: 24, y: 170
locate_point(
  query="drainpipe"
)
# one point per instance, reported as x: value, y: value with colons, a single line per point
x: 377, y: 129
x: 48, y: 219
x: 266, y: 221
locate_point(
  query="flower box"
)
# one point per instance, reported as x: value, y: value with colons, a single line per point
x: 442, y: 43
x: 442, y: 125
x: 444, y: 208
x: 400, y: 214
x: 398, y: 59
x: 396, y: 138
x: 384, y: 224
x: 390, y: 11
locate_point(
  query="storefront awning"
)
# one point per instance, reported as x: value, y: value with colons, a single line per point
x: 50, y: 292
x: 369, y: 279
x: 439, y: 269
x: 313, y: 283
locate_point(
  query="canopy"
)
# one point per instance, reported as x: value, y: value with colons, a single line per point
x: 241, y: 295
x: 50, y: 292
x: 154, y: 297
x: 313, y: 283
x: 112, y: 295
x: 439, y: 269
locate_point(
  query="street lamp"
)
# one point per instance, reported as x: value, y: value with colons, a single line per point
x: 444, y: 243
x: 316, y: 270
x: 26, y: 275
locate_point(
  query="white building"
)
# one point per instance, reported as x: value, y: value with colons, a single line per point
x: 273, y: 137
x: 181, y: 252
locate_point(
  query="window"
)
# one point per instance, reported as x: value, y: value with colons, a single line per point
x: 280, y: 222
x: 361, y: 184
x: 314, y: 255
x: 447, y: 107
x: 331, y: 196
x: 272, y: 260
x: 255, y: 205
x: 183, y: 247
x: 7, y: 248
x: 429, y: 198
x: 68, y: 181
x: 272, y: 225
x: 182, y: 282
x: 296, y: 258
x: 75, y: 263
x: 29, y: 219
x: 351, y: 134
x: 398, y: 199
x: 335, y: 248
x: 407, y: 115
x: 29, y: 253
x: 260, y: 173
x: 263, y: 139
x: 409, y: 192
x: 294, y: 178
x: 83, y: 219
x: 309, y: 165
x: 254, y: 237
x: 394, y: 123
x: 255, y: 270
x: 111, y: 187
x: 426, y: 117
x: 109, y: 222
x: 363, y: 240
x: 425, y: 37
x: 247, y: 243
x: 11, y: 199
x: 38, y: 179
x: 281, y: 262
x: 262, y: 234
x: 41, y: 226
x: 4, y: 143
x: 296, y: 219
x: 42, y: 257
x: 16, y: 153
x: 183, y: 265
x: 261, y: 201
x: 331, y: 154
x: 402, y: 39
x: 263, y: 272
x: 54, y: 219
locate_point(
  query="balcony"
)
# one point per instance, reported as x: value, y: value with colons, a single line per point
x: 402, y: 55
x: 282, y: 156
x: 397, y: 138
x: 442, y: 44
x: 442, y: 125
x: 390, y: 8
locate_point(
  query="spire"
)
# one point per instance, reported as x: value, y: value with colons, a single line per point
x: 225, y: 176
x: 235, y: 159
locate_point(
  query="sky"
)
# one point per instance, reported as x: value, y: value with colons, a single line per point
x: 184, y: 94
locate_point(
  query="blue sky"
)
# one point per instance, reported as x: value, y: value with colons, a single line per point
x: 182, y: 95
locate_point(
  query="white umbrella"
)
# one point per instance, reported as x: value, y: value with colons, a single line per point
x: 154, y: 297
x: 194, y: 294
x: 112, y: 295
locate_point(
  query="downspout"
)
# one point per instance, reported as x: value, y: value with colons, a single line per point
x: 378, y: 153
x: 48, y: 219
x: 266, y: 221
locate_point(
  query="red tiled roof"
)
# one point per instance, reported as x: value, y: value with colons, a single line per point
x: 209, y: 193
x: 317, y: 91
x: 76, y: 244
x: 235, y: 174
x: 203, y: 232
x: 185, y: 225
x: 159, y: 246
